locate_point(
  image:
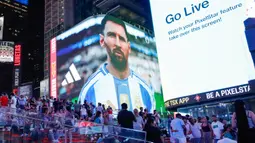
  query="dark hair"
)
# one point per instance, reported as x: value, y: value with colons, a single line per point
x: 191, y: 121
x: 68, y: 108
x: 199, y: 119
x: 184, y: 118
x: 98, y: 113
x: 149, y: 122
x: 214, y: 116
x: 247, y: 105
x: 124, y: 106
x: 178, y: 115
x: 232, y: 132
x: 115, y: 20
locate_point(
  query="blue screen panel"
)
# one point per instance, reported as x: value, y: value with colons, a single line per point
x: 25, y: 2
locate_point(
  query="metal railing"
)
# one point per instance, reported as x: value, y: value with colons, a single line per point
x: 25, y: 126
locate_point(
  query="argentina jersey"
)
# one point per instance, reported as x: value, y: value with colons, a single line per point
x: 105, y: 88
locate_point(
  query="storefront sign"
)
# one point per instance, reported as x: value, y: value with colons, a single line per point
x: 16, y: 77
x: 17, y: 55
x: 17, y: 66
x: 208, y: 96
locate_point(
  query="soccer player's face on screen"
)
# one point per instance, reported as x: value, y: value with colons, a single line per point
x: 114, y: 39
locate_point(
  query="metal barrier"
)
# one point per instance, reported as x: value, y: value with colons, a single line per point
x: 21, y: 126
x: 18, y: 126
x: 111, y: 134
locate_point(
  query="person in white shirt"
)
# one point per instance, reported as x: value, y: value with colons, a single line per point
x: 196, y: 131
x: 13, y: 102
x: 188, y: 128
x: 178, y: 126
x: 51, y: 103
x: 83, y: 112
x: 217, y: 128
x: 139, y: 124
x: 99, y: 108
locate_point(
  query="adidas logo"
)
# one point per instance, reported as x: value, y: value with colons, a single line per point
x: 71, y: 76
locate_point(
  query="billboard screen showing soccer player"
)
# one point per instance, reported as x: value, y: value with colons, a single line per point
x: 205, y: 48
x: 103, y: 59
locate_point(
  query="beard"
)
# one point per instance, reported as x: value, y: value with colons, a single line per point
x: 117, y: 58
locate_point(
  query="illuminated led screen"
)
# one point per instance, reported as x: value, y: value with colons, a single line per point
x: 96, y: 63
x: 204, y: 46
x: 25, y: 2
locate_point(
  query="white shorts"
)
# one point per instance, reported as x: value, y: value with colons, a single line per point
x: 182, y: 140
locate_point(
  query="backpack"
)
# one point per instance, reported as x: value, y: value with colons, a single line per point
x: 17, y: 103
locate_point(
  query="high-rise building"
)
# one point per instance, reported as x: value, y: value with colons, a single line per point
x: 60, y: 15
x: 15, y: 14
x: 136, y: 12
x: 33, y: 72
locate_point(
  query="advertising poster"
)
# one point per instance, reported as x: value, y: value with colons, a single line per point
x: 6, y: 51
x: 103, y: 59
x: 1, y: 27
x: 26, y: 91
x: 44, y: 88
x: 204, y: 46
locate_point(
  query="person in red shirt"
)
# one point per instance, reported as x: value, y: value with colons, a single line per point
x: 4, y: 100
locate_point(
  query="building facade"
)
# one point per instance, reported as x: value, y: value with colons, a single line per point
x: 14, y: 12
x: 136, y: 12
x: 34, y: 47
x: 58, y: 17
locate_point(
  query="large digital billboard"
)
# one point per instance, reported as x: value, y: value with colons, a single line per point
x: 26, y: 90
x: 103, y: 59
x: 6, y: 51
x: 204, y: 46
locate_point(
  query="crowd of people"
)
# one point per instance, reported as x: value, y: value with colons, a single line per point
x: 137, y: 120
x: 50, y: 106
x: 201, y: 130
x: 181, y: 129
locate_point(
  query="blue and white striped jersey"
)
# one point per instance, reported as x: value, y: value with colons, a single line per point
x: 105, y: 88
